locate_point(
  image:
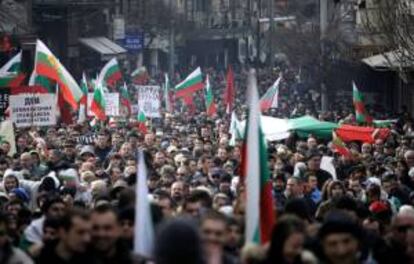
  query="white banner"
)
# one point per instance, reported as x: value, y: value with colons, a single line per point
x: 111, y: 104
x: 33, y: 109
x: 149, y: 100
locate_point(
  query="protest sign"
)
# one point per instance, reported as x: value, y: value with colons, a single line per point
x: 111, y: 104
x: 149, y: 100
x: 33, y: 109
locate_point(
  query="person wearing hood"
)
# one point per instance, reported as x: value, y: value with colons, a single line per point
x: 331, y: 191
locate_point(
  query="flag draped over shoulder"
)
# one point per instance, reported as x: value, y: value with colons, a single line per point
x: 47, y: 65
x: 271, y: 98
x: 361, y: 113
x: 143, y: 226
x: 260, y: 216
x: 10, y: 73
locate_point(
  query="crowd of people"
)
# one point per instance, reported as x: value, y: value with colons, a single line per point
x: 67, y: 194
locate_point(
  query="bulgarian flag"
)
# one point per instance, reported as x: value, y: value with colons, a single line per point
x: 142, y: 119
x: 191, y: 84
x: 47, y: 65
x: 10, y: 73
x: 98, y: 103
x: 271, y: 97
x: 125, y: 100
x: 229, y: 92
x: 361, y: 113
x: 260, y: 216
x: 210, y: 105
x: 110, y: 74
x: 140, y: 76
x: 47, y: 85
x: 339, y: 146
x: 84, y: 101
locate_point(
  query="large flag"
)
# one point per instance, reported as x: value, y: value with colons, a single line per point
x: 84, y: 101
x: 210, y: 105
x: 361, y: 114
x: 10, y: 73
x: 271, y: 98
x: 98, y: 102
x: 140, y: 76
x: 143, y: 227
x: 167, y: 96
x: 7, y: 135
x: 260, y: 216
x: 124, y: 98
x: 47, y: 65
x: 191, y: 84
x: 110, y: 74
x: 229, y: 92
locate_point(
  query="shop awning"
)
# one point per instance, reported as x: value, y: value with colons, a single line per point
x: 104, y: 46
x: 392, y: 59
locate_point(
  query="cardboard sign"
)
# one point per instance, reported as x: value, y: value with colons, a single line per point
x: 33, y: 109
x: 149, y: 100
x: 111, y: 104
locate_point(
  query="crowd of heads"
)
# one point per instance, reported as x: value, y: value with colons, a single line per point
x: 68, y: 193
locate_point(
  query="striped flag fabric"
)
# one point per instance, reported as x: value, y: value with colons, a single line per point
x: 143, y: 226
x: 361, y: 114
x: 140, y: 76
x: 47, y: 65
x: 84, y: 101
x: 10, y: 73
x: 210, y: 104
x: 271, y: 98
x: 110, y: 74
x: 142, y: 119
x: 98, y: 103
x: 191, y: 84
x: 229, y: 92
x: 339, y: 146
x: 260, y: 217
x: 125, y: 98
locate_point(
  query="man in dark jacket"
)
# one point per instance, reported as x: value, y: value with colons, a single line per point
x: 74, y: 238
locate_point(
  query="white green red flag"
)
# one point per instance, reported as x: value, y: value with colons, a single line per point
x: 140, y: 76
x: 48, y: 66
x: 191, y: 84
x: 98, y: 103
x: 271, y: 98
x: 10, y: 73
x: 125, y: 98
x: 110, y: 74
x: 84, y: 101
x: 339, y: 146
x: 260, y: 216
x: 210, y: 105
x: 142, y: 119
x: 361, y: 113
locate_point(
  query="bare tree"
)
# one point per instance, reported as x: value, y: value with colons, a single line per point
x: 389, y: 24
